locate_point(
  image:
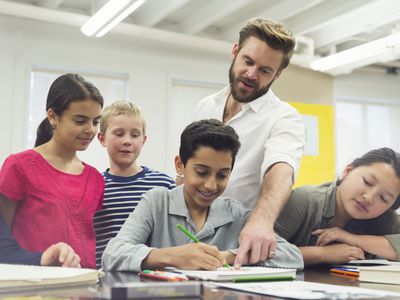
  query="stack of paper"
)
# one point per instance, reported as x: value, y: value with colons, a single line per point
x: 372, y: 262
x: 22, y: 276
x: 382, y: 274
x: 376, y: 270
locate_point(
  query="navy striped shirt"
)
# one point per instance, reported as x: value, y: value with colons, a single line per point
x: 121, y: 196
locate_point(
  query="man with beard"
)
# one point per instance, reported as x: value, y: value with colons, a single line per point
x: 271, y: 133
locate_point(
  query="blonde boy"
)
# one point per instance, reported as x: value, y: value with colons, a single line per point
x: 123, y: 133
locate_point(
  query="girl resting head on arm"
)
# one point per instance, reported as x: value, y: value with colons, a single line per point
x: 351, y: 218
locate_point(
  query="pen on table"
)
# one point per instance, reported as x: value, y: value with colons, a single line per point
x: 342, y: 272
x: 193, y: 238
x: 162, y: 275
x: 345, y: 271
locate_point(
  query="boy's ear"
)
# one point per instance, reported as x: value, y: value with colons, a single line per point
x: 100, y: 137
x: 144, y: 139
x: 179, y: 165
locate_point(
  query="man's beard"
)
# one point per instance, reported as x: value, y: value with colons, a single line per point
x: 258, y: 92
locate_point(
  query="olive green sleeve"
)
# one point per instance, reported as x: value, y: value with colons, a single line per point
x: 394, y: 238
x: 292, y: 216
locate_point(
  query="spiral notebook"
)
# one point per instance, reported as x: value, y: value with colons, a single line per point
x: 24, y: 276
x: 242, y: 275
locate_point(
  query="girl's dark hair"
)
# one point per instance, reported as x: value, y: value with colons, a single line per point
x: 209, y: 133
x: 384, y: 223
x: 64, y: 90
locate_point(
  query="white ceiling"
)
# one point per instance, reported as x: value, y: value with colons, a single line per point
x: 321, y: 27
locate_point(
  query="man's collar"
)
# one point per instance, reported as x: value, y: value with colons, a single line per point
x: 177, y: 205
x: 255, y: 105
x: 219, y: 213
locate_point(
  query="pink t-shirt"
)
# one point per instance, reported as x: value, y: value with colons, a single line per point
x: 52, y: 206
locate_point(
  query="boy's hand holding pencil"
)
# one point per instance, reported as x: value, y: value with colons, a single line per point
x: 225, y: 254
x: 199, y: 256
x: 192, y: 256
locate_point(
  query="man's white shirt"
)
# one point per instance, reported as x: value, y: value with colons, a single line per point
x: 269, y: 130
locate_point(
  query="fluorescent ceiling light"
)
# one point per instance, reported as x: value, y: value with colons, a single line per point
x: 356, y: 54
x: 112, y: 13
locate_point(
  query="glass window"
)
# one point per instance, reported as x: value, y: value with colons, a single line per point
x: 361, y: 127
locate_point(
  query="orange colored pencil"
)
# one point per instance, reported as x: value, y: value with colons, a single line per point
x: 345, y: 272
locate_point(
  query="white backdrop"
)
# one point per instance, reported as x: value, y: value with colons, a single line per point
x: 363, y: 126
x: 183, y: 98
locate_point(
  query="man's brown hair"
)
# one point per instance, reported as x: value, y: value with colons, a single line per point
x: 273, y: 33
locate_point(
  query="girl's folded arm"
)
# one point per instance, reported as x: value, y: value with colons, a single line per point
x: 331, y: 254
x: 376, y: 245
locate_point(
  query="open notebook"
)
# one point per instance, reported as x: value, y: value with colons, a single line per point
x: 23, y: 276
x: 241, y: 275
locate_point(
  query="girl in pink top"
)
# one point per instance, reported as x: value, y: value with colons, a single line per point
x: 48, y: 195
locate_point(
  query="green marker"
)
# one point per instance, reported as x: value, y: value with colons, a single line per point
x: 184, y: 230
x: 263, y: 278
x: 193, y: 238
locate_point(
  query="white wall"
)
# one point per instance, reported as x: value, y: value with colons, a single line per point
x: 150, y: 68
x: 367, y: 86
x: 368, y: 114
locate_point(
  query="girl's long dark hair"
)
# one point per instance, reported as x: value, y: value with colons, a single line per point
x: 64, y: 90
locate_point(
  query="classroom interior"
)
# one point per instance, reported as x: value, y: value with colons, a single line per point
x: 167, y: 72
x: 152, y: 60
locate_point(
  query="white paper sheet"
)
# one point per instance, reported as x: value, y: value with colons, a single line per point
x: 307, y: 290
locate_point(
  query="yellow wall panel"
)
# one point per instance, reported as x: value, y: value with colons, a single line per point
x: 316, y: 169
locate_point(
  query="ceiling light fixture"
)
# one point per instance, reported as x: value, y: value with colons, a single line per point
x: 112, y: 13
x: 354, y: 55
